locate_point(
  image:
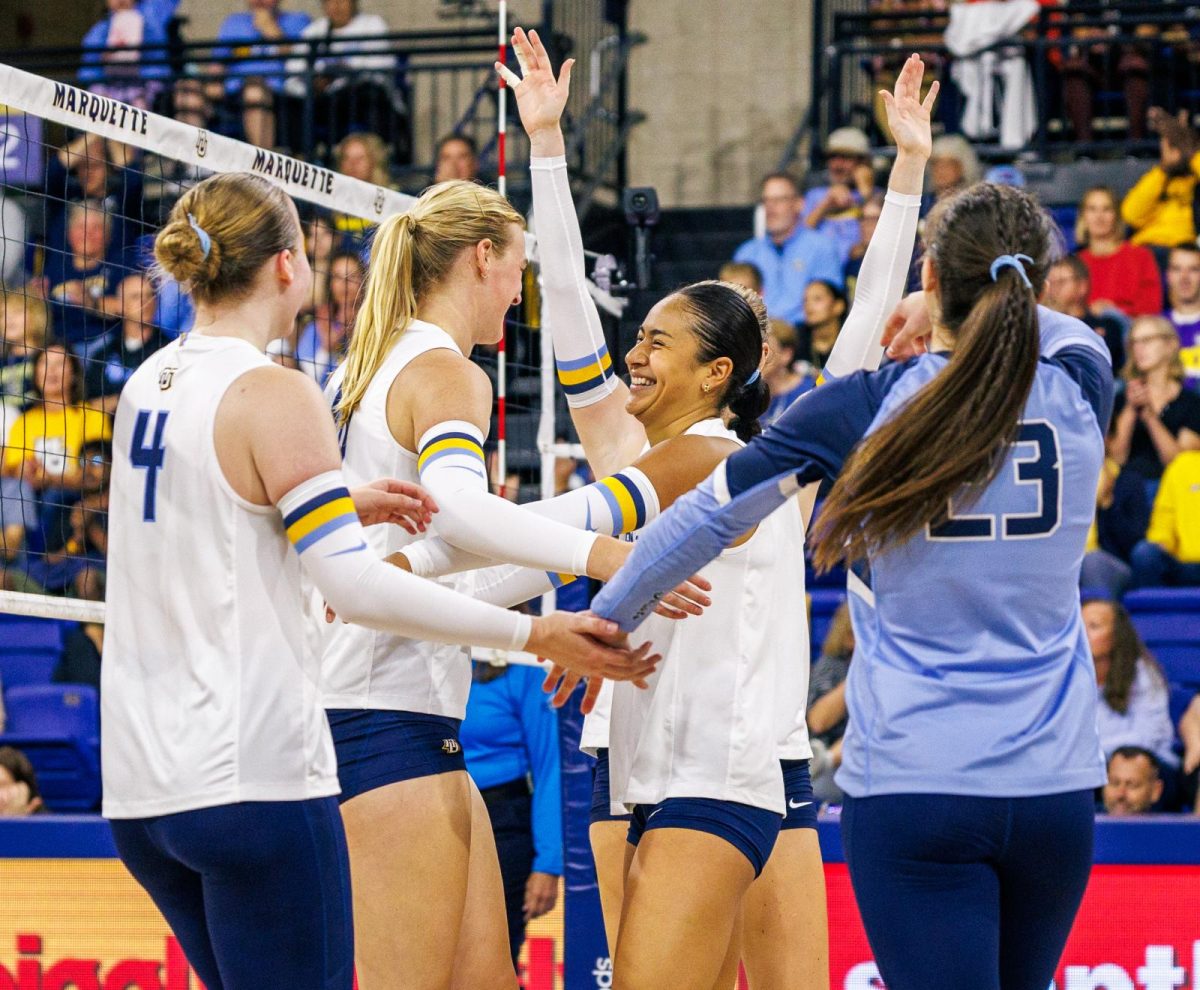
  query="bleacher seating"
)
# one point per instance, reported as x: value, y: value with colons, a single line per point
x: 29, y: 649
x: 58, y: 727
x: 1168, y: 620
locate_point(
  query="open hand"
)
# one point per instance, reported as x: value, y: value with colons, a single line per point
x: 540, y: 97
x: 908, y: 115
x: 402, y: 503
x: 541, y: 893
x: 589, y: 646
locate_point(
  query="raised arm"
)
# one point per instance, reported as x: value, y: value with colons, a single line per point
x: 611, y: 437
x: 886, y: 265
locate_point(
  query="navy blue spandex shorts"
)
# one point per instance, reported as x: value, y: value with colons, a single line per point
x: 751, y: 830
x: 601, y: 808
x: 958, y: 891
x: 376, y: 747
x: 797, y: 788
x: 259, y: 887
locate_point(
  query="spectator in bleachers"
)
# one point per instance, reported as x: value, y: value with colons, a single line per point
x: 1134, y: 785
x: 867, y: 222
x: 1170, y: 553
x: 953, y: 166
x: 1124, y: 275
x: 1183, y: 305
x: 76, y: 530
x: 789, y: 255
x: 742, y: 273
x: 108, y: 368
x: 19, y: 793
x: 1189, y: 733
x: 456, y: 157
x: 779, y: 371
x: 354, y: 80
x: 1122, y: 516
x: 1086, y: 68
x: 1159, y: 207
x: 1068, y: 288
x: 510, y: 741
x: 24, y: 321
x: 44, y: 444
x: 361, y: 156
x: 255, y: 35
x: 130, y: 76
x: 834, y: 209
x: 321, y: 242
x: 1155, y: 417
x: 1133, y: 708
x: 90, y: 169
x: 79, y: 663
x: 824, y: 312
x: 322, y: 344
x: 82, y: 280
x: 827, y: 711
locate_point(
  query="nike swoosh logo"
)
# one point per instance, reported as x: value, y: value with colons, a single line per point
x: 799, y: 804
x: 587, y: 523
x: 463, y: 467
x: 653, y: 813
x: 361, y: 546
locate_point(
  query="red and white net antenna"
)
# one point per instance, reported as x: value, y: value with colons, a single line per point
x: 502, y: 186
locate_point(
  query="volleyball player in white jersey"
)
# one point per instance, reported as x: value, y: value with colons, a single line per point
x: 226, y: 497
x: 785, y: 918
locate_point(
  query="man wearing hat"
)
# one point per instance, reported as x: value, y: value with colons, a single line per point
x: 834, y: 209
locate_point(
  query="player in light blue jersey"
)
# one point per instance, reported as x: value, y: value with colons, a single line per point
x: 966, y: 485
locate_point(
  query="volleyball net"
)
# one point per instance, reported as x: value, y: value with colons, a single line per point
x: 85, y: 183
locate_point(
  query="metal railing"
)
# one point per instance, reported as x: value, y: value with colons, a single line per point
x: 858, y: 50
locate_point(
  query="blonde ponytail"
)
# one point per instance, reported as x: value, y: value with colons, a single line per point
x: 411, y: 253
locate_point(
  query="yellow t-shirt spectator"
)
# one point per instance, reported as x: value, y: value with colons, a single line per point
x: 53, y: 437
x: 1175, y: 520
x: 1159, y: 207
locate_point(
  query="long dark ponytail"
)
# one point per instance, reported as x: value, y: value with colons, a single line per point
x: 951, y: 438
x: 731, y: 321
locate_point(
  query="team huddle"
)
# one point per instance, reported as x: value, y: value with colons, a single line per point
x: 286, y: 788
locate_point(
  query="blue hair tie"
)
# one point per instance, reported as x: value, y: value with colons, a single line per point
x: 1012, y: 261
x: 205, y: 240
x: 752, y: 379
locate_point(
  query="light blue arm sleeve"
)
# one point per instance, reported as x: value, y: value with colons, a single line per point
x: 675, y: 546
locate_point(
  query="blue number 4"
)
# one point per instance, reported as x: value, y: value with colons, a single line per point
x: 1041, y: 466
x: 149, y: 456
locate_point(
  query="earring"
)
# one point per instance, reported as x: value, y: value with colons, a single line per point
x: 706, y: 386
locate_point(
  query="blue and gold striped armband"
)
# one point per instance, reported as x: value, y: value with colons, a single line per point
x: 587, y: 379
x: 317, y: 509
x: 452, y: 446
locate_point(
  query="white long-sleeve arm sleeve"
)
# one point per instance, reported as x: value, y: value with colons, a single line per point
x: 880, y: 287
x: 322, y: 524
x: 452, y: 467
x: 581, y: 355
x: 619, y: 504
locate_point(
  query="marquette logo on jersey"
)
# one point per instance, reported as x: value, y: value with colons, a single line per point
x: 450, y: 747
x: 166, y: 378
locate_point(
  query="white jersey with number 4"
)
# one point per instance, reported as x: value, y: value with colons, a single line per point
x: 365, y: 668
x: 210, y: 680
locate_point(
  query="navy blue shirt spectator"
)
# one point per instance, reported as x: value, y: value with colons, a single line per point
x: 253, y: 35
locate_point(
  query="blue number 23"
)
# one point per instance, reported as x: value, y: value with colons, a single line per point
x: 1041, y: 466
x: 149, y: 456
